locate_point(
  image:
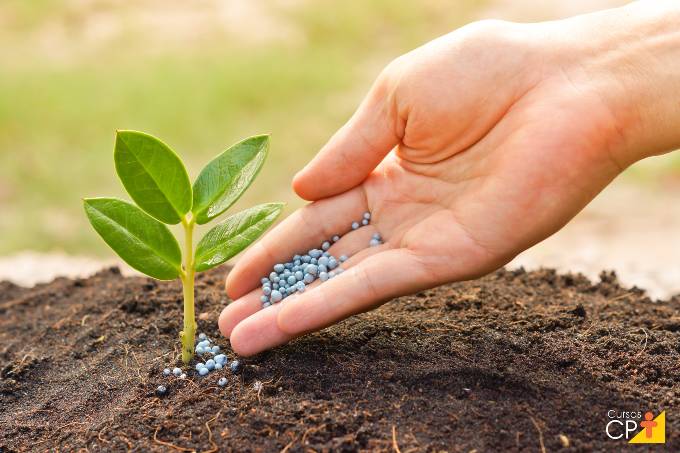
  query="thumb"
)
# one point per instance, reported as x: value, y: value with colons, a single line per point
x: 356, y: 149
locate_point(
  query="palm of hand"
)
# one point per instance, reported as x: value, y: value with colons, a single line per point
x: 474, y: 210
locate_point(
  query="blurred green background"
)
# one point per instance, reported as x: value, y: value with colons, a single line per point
x: 200, y: 75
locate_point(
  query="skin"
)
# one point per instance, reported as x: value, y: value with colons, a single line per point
x: 467, y: 151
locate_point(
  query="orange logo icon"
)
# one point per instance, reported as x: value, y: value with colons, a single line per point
x: 653, y: 430
x: 648, y: 424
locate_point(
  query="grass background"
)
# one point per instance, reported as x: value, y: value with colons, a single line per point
x: 199, y: 75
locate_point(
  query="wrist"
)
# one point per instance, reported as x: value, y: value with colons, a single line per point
x: 631, y: 56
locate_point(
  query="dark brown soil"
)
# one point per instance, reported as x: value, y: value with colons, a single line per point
x: 504, y: 363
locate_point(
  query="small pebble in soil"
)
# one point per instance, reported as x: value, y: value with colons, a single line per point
x: 161, y: 390
x: 210, y: 364
x: 215, y: 349
x: 218, y: 366
x: 355, y: 225
x: 200, y: 365
x: 203, y: 371
x: 167, y: 372
x: 177, y: 371
x: 202, y: 336
x: 222, y: 382
x: 235, y: 366
x: 183, y: 376
x: 220, y: 358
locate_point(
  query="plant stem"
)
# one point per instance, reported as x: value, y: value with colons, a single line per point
x: 188, y: 334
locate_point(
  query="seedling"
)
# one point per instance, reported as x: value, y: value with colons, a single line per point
x: 156, y: 179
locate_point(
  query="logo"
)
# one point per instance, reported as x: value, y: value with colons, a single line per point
x: 653, y: 432
x: 636, y: 428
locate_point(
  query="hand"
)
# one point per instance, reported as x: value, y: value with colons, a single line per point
x: 466, y: 151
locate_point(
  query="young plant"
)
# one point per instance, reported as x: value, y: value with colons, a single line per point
x: 157, y: 181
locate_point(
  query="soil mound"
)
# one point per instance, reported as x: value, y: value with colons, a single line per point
x: 514, y: 361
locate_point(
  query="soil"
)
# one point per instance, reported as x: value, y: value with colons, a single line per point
x: 514, y: 361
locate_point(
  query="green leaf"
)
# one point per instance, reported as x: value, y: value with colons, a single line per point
x: 227, y: 176
x: 153, y: 175
x: 142, y: 241
x: 234, y: 234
